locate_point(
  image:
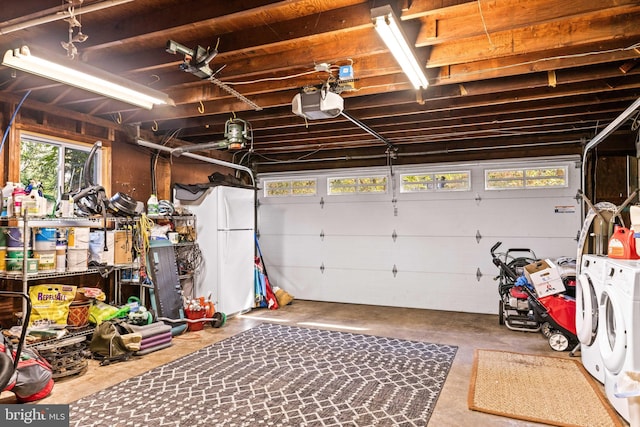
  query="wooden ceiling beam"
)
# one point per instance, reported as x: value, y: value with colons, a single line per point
x: 211, y: 19
x: 469, y: 19
x: 212, y: 94
x: 493, y: 88
x: 382, y: 115
x: 482, y: 147
x: 420, y: 8
x: 418, y: 135
x: 470, y: 113
x: 237, y: 29
x: 421, y: 123
x: 265, y: 127
x: 536, y: 38
x: 615, y: 101
x: 619, y: 49
x: 540, y: 74
x: 310, y: 50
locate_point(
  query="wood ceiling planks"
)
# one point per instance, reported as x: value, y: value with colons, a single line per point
x: 543, y: 67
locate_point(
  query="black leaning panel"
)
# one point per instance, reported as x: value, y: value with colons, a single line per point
x: 163, y: 270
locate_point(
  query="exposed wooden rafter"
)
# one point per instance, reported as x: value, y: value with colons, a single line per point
x: 502, y: 73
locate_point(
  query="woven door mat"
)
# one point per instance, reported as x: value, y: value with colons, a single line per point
x: 543, y: 389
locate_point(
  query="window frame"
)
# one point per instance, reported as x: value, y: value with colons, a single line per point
x: 102, y: 156
x: 432, y: 186
x: 358, y: 185
x: 290, y: 187
x: 524, y: 178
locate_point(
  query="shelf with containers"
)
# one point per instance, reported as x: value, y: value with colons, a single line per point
x: 113, y: 249
x: 30, y: 249
x: 129, y: 275
x: 46, y: 249
x: 182, y: 235
x: 49, y: 248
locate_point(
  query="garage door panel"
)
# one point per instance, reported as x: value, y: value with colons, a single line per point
x: 436, y: 217
x: 357, y: 252
x: 450, y: 292
x: 289, y: 219
x: 357, y: 286
x: 444, y: 254
x: 530, y: 217
x: 303, y: 251
x: 456, y: 292
x: 490, y: 217
x: 302, y: 283
x: 445, y: 291
x: 543, y: 247
x: 356, y: 218
x: 437, y: 241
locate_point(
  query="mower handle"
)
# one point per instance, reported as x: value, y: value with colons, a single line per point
x: 494, y: 247
x: 7, y: 365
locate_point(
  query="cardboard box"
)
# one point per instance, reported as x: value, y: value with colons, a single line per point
x: 123, y: 242
x: 545, y: 278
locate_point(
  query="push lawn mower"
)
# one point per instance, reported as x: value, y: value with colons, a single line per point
x: 8, y: 362
x: 514, y: 310
x: 520, y: 308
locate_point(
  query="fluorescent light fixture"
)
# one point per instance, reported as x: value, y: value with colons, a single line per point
x: 388, y: 28
x: 62, y: 13
x: 85, y: 77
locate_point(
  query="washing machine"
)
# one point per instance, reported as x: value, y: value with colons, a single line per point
x: 619, y: 326
x: 588, y: 292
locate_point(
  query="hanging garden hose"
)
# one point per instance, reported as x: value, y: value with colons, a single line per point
x: 146, y: 225
x: 142, y: 236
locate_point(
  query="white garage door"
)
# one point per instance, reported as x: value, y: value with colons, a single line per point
x: 421, y: 249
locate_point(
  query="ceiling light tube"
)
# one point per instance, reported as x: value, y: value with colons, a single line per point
x: 85, y: 77
x: 388, y: 27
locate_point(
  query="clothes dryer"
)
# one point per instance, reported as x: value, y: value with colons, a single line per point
x: 619, y: 326
x: 588, y: 291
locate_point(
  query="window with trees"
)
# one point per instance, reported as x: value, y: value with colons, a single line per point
x: 526, y: 178
x: 56, y: 165
x: 357, y: 185
x: 290, y: 187
x: 435, y: 181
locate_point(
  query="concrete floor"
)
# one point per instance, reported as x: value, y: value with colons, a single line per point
x: 467, y: 331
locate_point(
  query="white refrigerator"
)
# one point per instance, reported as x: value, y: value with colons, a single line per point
x: 225, y: 227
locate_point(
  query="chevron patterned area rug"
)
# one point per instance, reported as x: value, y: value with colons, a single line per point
x: 275, y: 375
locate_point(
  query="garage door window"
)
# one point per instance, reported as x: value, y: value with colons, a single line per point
x: 357, y: 185
x: 526, y: 178
x: 290, y: 187
x: 424, y: 182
